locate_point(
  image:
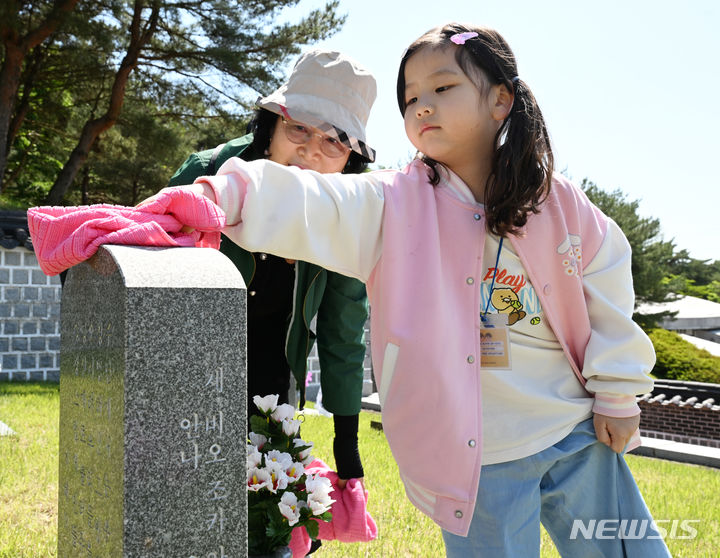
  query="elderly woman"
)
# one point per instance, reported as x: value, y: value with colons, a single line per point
x: 316, y: 121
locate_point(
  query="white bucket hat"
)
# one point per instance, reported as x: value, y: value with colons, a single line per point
x: 331, y: 92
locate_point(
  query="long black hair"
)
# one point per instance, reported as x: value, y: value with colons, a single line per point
x: 523, y: 161
x: 262, y: 127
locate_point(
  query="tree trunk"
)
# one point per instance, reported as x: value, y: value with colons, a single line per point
x: 9, y: 83
x: 85, y: 186
x: 93, y: 128
x: 90, y: 132
x: 24, y: 104
x: 16, y: 48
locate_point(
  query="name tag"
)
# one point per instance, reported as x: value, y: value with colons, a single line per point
x: 494, y: 342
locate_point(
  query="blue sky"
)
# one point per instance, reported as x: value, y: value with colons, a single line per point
x: 629, y: 90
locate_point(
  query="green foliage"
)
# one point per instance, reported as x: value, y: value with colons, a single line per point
x: 135, y: 158
x: 679, y: 360
x: 709, y: 292
x: 659, y: 272
x: 197, y: 76
x: 699, y: 278
x: 701, y: 272
x: 652, y: 258
x: 683, y: 285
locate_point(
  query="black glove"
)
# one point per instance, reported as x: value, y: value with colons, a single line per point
x: 345, y: 447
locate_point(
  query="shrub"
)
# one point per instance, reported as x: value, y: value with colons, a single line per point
x: 678, y: 359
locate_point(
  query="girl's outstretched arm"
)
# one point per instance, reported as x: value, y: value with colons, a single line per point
x: 333, y: 220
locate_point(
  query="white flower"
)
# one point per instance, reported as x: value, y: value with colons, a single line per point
x: 319, y: 506
x: 318, y: 498
x: 295, y: 471
x: 258, y: 479
x: 278, y: 477
x: 317, y: 484
x: 280, y: 457
x: 290, y: 426
x: 267, y: 403
x: 289, y: 508
x: 258, y: 440
x: 304, y: 455
x: 254, y: 457
x: 283, y: 412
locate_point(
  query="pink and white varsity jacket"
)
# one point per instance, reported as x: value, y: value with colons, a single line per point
x: 420, y: 250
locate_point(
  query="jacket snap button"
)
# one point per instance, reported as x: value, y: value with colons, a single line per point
x: 471, y: 443
x: 263, y: 256
x: 547, y: 289
x: 477, y: 216
x: 469, y: 280
x: 471, y: 359
x: 458, y: 514
x: 252, y: 293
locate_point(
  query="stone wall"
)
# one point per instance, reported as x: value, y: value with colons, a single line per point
x: 30, y: 318
x: 687, y: 421
x: 30, y: 327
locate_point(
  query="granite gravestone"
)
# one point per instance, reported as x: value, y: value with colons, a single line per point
x: 153, y: 406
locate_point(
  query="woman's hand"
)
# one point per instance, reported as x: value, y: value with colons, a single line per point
x: 615, y: 432
x: 342, y: 482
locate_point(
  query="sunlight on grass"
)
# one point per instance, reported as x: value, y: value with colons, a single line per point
x: 673, y: 491
x: 402, y: 530
x: 29, y: 470
x: 29, y: 484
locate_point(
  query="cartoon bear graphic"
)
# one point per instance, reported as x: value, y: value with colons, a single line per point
x: 506, y: 301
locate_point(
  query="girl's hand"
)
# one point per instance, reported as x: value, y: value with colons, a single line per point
x: 146, y: 201
x: 615, y: 432
x: 203, y: 189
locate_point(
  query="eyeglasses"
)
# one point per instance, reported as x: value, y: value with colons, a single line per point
x: 301, y: 134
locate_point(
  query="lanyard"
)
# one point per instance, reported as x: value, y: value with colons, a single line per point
x: 492, y: 283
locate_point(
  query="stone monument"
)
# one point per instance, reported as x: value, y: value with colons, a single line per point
x: 153, y: 406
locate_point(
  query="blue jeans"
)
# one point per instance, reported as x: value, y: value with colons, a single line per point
x: 579, y: 489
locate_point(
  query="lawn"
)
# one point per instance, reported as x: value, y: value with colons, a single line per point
x: 29, y: 465
x: 29, y: 470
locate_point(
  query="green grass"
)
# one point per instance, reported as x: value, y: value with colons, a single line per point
x: 29, y: 465
x: 29, y: 470
x: 671, y: 491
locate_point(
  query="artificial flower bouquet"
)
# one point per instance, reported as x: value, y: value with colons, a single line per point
x: 281, y: 496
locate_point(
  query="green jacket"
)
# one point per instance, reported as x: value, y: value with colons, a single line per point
x: 339, y: 302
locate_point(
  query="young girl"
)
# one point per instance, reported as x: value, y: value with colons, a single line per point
x: 506, y: 358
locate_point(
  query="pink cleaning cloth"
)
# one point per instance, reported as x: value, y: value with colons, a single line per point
x: 351, y: 522
x: 65, y: 236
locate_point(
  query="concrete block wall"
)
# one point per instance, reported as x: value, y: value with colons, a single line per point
x: 30, y: 324
x: 29, y: 318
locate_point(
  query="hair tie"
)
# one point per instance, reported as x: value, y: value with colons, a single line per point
x: 515, y: 79
x: 460, y: 38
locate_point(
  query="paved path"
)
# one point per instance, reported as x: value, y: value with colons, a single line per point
x: 676, y: 451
